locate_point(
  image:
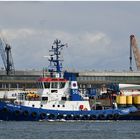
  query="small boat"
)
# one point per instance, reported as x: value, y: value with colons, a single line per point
x: 58, y: 98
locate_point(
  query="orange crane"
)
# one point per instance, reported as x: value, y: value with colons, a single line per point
x: 136, y: 52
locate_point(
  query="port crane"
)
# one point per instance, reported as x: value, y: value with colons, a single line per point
x: 5, y: 51
x: 136, y: 52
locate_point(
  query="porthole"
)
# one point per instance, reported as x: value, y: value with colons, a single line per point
x: 41, y: 105
x: 33, y: 105
x: 58, y: 105
x: 53, y: 106
x: 63, y: 105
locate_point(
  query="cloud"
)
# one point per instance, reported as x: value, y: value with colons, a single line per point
x: 97, y: 33
x: 87, y: 50
x: 13, y: 34
x: 96, y: 38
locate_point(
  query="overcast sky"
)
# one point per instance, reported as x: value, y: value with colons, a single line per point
x: 97, y: 33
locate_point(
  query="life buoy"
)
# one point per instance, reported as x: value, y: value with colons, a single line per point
x: 17, y: 112
x: 43, y: 115
x: 102, y: 116
x: 110, y: 116
x: 116, y: 116
x: 34, y: 114
x: 81, y: 107
x: 25, y: 113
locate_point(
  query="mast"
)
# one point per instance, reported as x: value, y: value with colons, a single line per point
x: 55, y: 61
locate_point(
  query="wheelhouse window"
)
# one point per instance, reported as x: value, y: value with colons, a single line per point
x: 62, y: 85
x: 54, y: 85
x: 40, y: 85
x: 46, y: 84
x: 44, y: 98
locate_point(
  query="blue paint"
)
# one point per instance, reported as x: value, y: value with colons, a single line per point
x: 114, y: 87
x: 70, y: 76
x: 75, y: 95
x: 91, y: 92
x: 10, y: 114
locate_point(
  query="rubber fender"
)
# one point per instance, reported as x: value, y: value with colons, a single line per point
x: 43, y: 115
x: 85, y: 117
x: 5, y: 110
x: 60, y: 116
x: 17, y: 112
x: 110, y: 116
x: 33, y: 114
x: 26, y: 113
x: 93, y: 117
x: 77, y: 117
x: 51, y: 116
x: 116, y: 116
x: 102, y: 116
x: 69, y: 117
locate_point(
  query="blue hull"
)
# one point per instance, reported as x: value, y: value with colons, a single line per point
x: 22, y: 113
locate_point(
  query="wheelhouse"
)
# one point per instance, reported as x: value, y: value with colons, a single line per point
x: 51, y: 83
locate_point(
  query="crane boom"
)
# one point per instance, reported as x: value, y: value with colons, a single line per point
x: 136, y: 52
x: 2, y: 52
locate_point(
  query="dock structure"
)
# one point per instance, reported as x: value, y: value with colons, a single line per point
x: 22, y: 79
x: 27, y: 79
x: 95, y: 79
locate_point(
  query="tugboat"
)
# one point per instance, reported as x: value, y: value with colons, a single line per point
x: 58, y: 98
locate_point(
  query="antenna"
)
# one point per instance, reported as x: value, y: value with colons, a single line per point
x: 55, y: 57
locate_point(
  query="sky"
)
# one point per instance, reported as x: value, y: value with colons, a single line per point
x: 97, y: 33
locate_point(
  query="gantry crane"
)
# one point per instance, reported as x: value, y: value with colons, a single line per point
x: 136, y: 52
x: 5, y: 51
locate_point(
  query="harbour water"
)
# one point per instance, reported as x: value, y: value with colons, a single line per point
x: 70, y: 130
